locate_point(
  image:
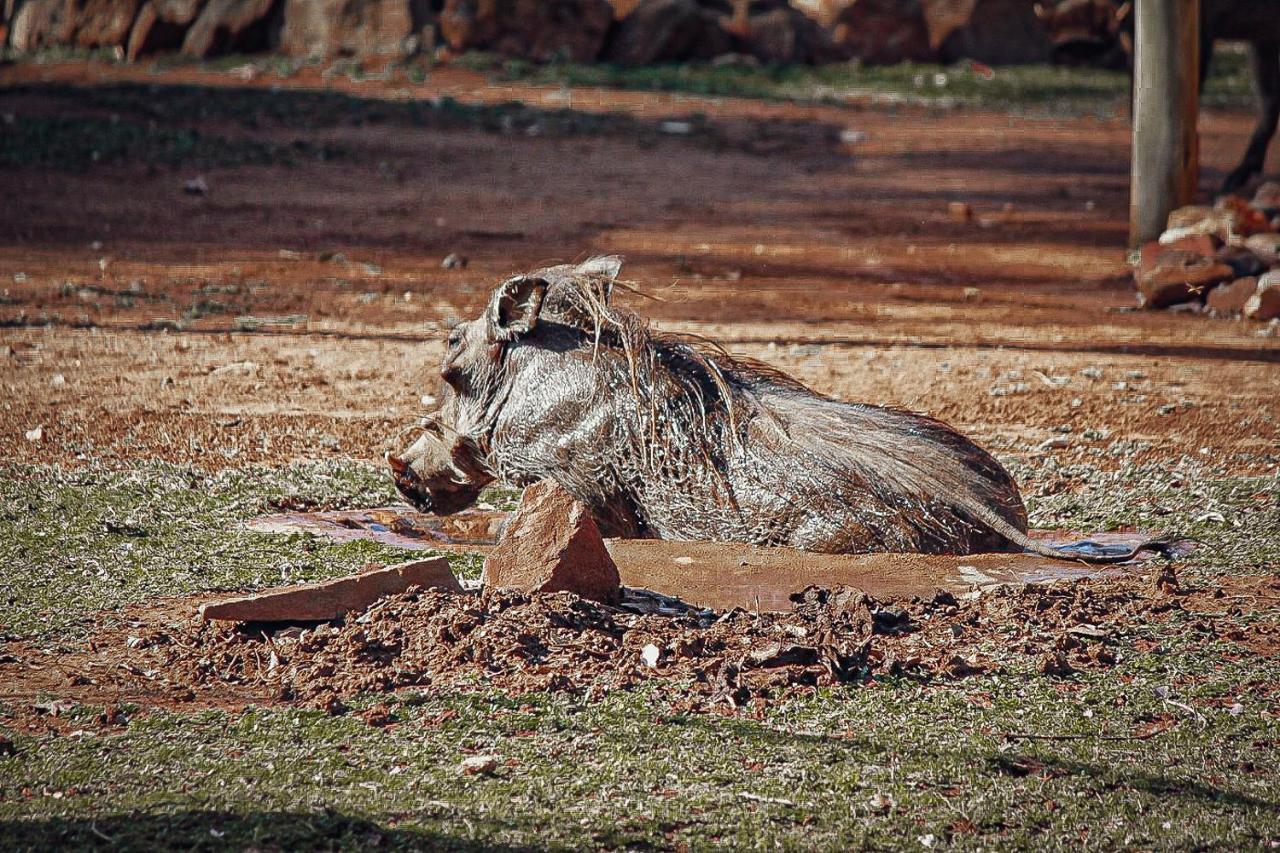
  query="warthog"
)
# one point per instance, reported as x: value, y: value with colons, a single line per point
x: 667, y: 436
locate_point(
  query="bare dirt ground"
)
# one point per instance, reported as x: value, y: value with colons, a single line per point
x: 840, y: 264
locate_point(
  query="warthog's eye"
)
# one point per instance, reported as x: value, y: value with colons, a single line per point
x: 455, y: 338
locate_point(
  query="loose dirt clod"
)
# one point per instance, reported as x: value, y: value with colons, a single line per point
x: 442, y: 642
x: 334, y: 598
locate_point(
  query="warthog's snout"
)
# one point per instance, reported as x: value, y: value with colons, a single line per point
x: 440, y: 473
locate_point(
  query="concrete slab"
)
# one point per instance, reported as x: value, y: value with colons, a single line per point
x: 324, y: 600
x: 724, y: 575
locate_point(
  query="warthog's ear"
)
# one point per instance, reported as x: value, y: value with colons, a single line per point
x: 515, y: 306
x: 603, y: 269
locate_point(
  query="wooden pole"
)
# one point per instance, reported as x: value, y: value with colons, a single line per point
x: 1166, y: 103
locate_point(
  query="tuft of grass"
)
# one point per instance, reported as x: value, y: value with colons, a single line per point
x: 1235, y: 519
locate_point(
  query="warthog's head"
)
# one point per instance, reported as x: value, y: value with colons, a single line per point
x: 445, y: 469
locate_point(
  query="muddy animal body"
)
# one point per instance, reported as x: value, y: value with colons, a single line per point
x: 669, y: 437
x: 1101, y: 31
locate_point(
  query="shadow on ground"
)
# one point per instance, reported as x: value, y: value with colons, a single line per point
x: 221, y: 830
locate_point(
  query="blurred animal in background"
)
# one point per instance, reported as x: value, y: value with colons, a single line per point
x: 1100, y: 32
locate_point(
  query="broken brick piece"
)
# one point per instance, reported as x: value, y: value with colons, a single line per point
x: 324, y: 600
x: 552, y: 544
x: 1230, y: 299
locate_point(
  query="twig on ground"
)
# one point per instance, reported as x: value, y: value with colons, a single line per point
x: 757, y: 798
x: 1034, y: 736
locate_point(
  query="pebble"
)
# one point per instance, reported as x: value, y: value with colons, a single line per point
x: 479, y: 765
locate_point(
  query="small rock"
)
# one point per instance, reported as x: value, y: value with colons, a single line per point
x: 1058, y: 442
x: 676, y: 128
x: 1265, y: 302
x: 1188, y: 216
x: 1243, y: 262
x: 479, y: 765
x: 235, y: 367
x: 1200, y: 244
x: 1246, y: 219
x: 196, y: 186
x: 1055, y: 664
x: 1167, y: 277
x: 1231, y: 298
x: 1267, y: 198
x: 1222, y: 222
x: 1089, y: 632
x: 960, y: 211
x: 454, y: 261
x: 35, y: 434
x: 58, y: 380
x: 649, y: 654
x: 551, y: 543
x: 1266, y: 246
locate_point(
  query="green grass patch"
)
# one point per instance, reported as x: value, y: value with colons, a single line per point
x: 1237, y: 519
x: 75, y: 542
x: 894, y: 765
x: 1032, y: 88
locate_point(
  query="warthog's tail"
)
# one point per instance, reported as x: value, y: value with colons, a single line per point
x: 1162, y: 543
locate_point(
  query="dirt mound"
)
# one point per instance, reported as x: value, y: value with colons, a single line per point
x: 437, y: 641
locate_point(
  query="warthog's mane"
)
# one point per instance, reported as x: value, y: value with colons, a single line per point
x: 707, y: 380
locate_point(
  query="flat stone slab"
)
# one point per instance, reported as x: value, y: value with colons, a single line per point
x: 330, y: 599
x: 725, y: 575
